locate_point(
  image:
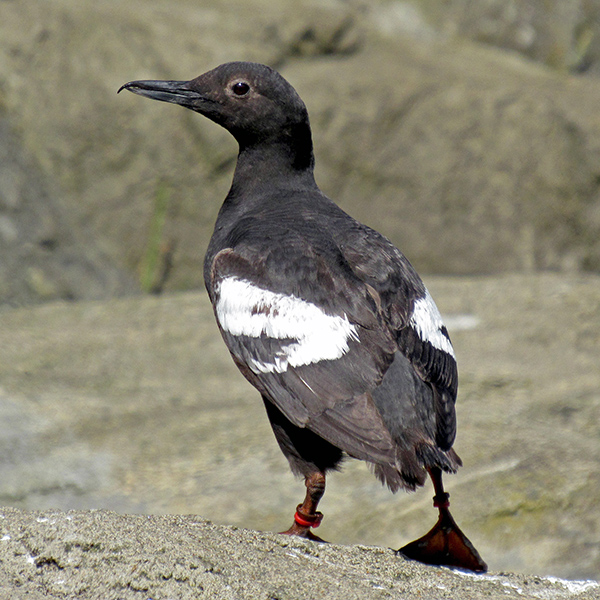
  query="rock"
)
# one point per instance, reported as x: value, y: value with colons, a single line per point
x: 100, y: 554
x: 472, y: 159
x: 134, y: 405
x: 45, y: 256
x: 564, y: 35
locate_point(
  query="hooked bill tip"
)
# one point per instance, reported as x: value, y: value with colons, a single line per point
x: 124, y: 87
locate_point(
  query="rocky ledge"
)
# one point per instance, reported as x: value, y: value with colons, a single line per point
x: 102, y: 554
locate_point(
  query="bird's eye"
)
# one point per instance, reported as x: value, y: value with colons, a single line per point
x: 241, y: 88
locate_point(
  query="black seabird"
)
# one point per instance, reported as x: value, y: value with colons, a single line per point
x: 323, y: 315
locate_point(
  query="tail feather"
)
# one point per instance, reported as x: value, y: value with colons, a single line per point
x: 396, y: 478
x: 410, y: 468
x: 432, y: 457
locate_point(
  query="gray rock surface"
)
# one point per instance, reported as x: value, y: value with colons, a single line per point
x: 472, y: 159
x: 563, y: 34
x: 134, y: 405
x: 105, y: 556
x: 44, y: 254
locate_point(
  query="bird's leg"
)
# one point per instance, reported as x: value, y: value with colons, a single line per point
x: 445, y: 544
x: 306, y: 515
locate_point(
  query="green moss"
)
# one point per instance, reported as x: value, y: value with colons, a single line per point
x: 152, y: 266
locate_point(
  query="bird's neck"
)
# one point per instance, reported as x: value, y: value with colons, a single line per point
x: 281, y: 163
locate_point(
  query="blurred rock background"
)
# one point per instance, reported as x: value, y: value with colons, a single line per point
x: 466, y: 131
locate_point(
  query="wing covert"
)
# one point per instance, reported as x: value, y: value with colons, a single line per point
x: 316, y: 360
x: 412, y: 315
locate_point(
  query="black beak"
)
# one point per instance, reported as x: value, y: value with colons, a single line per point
x: 177, y: 92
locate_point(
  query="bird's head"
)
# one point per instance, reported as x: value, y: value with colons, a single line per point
x: 252, y: 101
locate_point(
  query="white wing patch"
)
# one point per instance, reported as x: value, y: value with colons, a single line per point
x: 427, y: 322
x: 245, y: 309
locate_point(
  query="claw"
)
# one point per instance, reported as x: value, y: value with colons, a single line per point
x: 303, y: 532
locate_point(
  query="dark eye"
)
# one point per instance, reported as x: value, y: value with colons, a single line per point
x: 241, y: 88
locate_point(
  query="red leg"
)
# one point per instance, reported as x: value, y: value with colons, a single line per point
x: 445, y: 544
x: 307, y: 515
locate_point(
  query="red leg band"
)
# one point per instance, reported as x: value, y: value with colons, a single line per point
x: 308, y: 520
x: 442, y: 501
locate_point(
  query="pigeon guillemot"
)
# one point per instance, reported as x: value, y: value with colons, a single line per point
x: 324, y: 316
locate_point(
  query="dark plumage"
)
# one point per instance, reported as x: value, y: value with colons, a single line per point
x: 323, y: 315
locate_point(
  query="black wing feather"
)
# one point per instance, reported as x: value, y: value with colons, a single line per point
x: 380, y: 264
x: 330, y: 397
x: 354, y: 271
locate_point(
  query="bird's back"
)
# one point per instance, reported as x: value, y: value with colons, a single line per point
x: 300, y: 244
